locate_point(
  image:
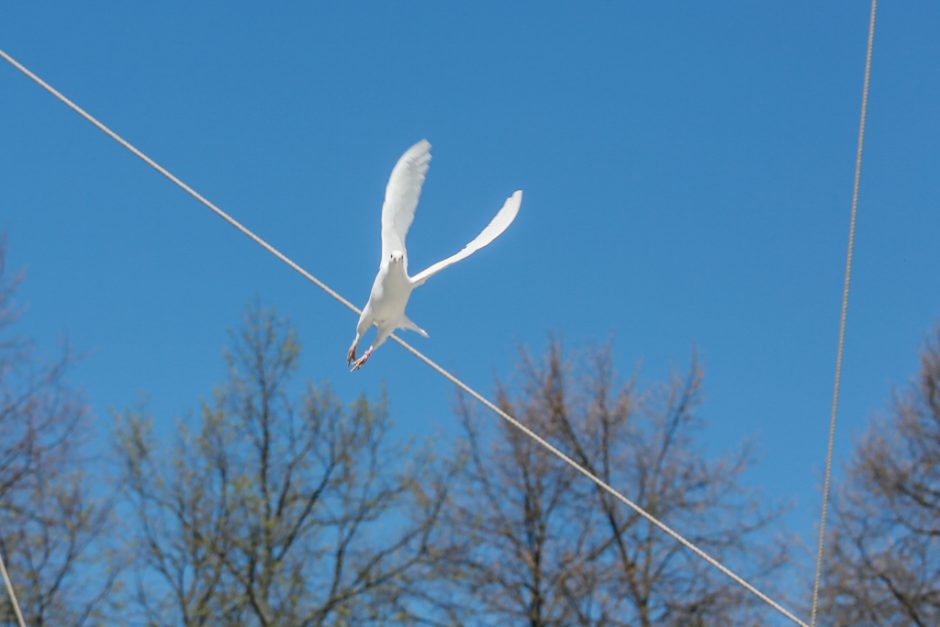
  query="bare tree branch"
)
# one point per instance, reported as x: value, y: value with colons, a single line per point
x: 884, y: 555
x: 281, y: 508
x: 532, y: 544
x: 52, y: 528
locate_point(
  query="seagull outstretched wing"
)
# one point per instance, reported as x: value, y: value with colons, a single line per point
x: 493, y: 230
x: 401, y: 196
x: 392, y: 287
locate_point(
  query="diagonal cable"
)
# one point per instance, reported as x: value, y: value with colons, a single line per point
x: 845, y: 306
x: 440, y: 370
x: 11, y: 592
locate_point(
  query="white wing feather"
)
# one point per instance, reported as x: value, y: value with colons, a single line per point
x: 401, y: 196
x: 493, y: 230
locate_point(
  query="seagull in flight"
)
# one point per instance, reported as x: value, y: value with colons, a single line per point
x: 393, y: 286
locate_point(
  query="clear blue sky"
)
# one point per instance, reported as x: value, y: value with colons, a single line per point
x: 687, y: 170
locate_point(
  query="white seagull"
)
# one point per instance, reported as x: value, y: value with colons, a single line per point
x: 392, y: 287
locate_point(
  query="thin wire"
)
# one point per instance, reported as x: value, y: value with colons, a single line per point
x: 156, y: 166
x: 845, y: 306
x: 11, y: 592
x: 460, y: 384
x: 639, y: 510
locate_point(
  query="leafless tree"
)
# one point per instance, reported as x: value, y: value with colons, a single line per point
x: 883, y: 561
x: 532, y: 542
x: 52, y: 524
x: 279, y: 508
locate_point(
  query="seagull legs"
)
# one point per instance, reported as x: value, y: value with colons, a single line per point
x: 351, y: 354
x: 362, y: 360
x: 383, y: 334
x: 365, y: 321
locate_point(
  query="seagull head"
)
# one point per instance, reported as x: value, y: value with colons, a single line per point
x: 396, y: 256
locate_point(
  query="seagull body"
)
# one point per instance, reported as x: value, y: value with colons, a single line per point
x: 393, y: 286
